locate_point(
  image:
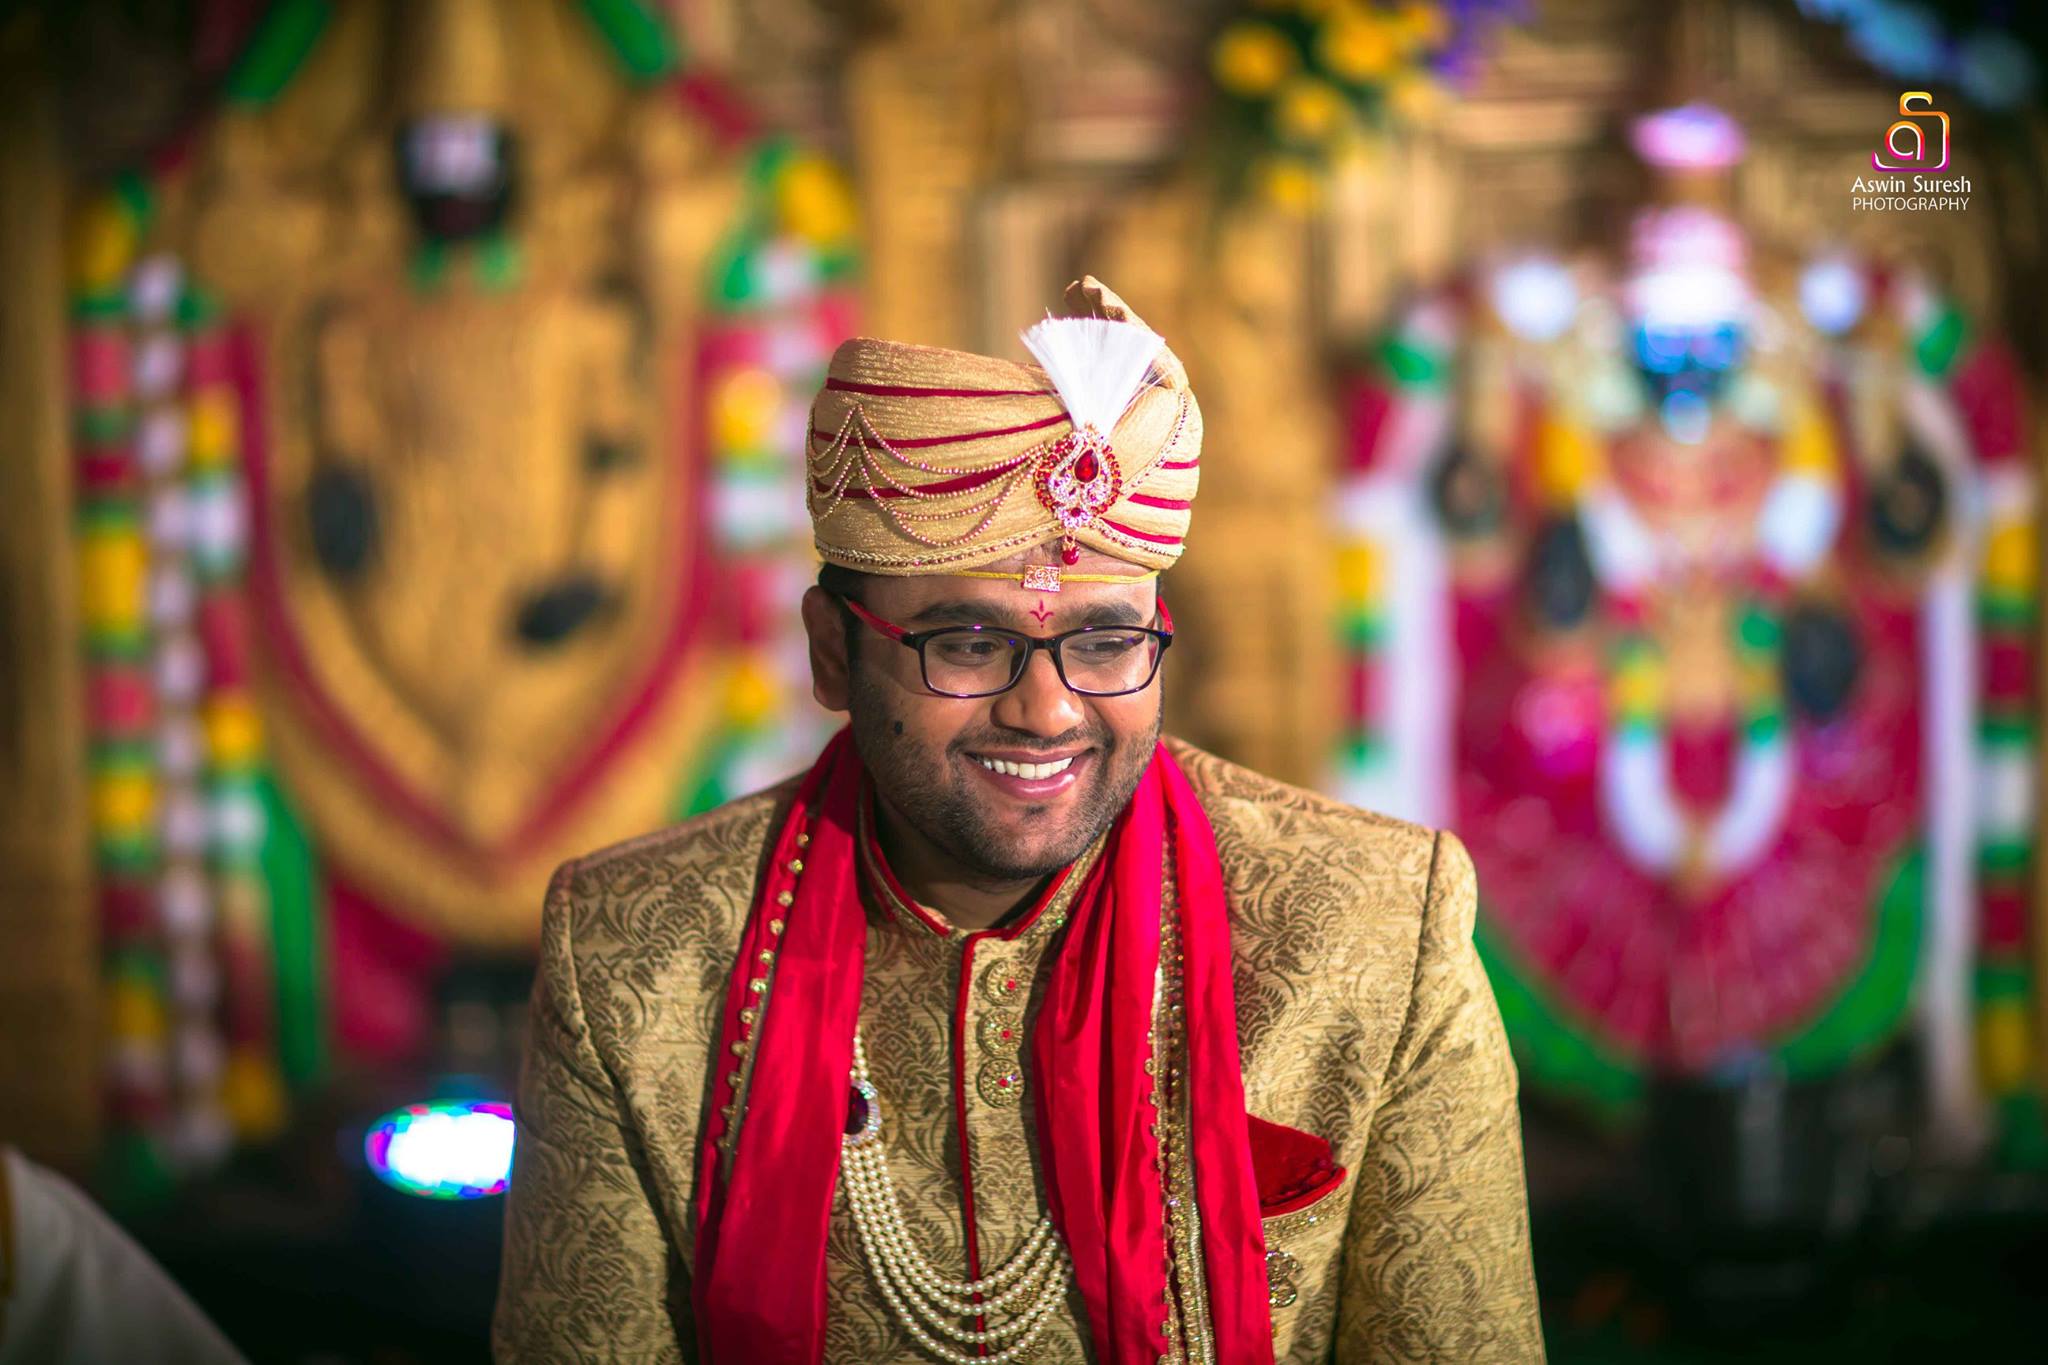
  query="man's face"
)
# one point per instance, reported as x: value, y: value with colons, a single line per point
x: 931, y: 756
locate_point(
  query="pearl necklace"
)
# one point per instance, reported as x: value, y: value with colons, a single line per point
x: 922, y: 1300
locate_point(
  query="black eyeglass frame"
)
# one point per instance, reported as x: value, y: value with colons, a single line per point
x: 1051, y: 644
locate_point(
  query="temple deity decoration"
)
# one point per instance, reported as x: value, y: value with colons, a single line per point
x: 1726, y: 544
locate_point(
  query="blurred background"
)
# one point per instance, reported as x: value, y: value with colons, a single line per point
x: 1624, y: 432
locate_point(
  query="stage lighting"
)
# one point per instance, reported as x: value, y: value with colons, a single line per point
x: 444, y: 1149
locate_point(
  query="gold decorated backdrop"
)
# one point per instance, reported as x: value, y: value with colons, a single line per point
x: 48, y: 970
x: 998, y: 150
x: 508, y: 424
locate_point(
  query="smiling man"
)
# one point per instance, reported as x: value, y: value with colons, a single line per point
x: 1009, y: 1031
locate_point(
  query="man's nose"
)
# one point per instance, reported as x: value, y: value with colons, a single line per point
x: 1040, y: 703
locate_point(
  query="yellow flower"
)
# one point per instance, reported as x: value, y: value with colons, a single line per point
x: 1356, y: 147
x: 1251, y: 59
x: 1809, y: 441
x: 2009, y: 557
x: 1290, y: 183
x: 815, y: 202
x: 2005, y: 1051
x: 134, y: 1011
x: 1310, y: 110
x: 123, y: 803
x: 113, y: 565
x: 103, y: 242
x: 252, y: 1093
x: 214, y: 421
x: 1358, y: 574
x: 1416, y: 98
x: 1421, y: 25
x: 750, y: 695
x: 743, y: 410
x: 234, y: 730
x: 1357, y: 47
x: 1637, y: 688
x: 1567, y: 459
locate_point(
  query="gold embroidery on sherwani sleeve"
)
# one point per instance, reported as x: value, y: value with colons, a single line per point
x: 585, y: 1275
x: 637, y: 944
x: 1339, y: 933
x: 1437, y: 1254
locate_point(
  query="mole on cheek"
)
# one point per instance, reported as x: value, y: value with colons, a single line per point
x: 899, y: 727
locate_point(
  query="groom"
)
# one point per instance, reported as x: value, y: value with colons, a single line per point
x: 1009, y: 1030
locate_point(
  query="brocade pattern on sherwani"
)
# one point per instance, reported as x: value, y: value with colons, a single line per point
x: 1363, y: 1018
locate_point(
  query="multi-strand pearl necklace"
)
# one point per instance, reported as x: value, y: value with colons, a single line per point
x: 1029, y: 1284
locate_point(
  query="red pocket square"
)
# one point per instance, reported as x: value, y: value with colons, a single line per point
x: 1294, y: 1169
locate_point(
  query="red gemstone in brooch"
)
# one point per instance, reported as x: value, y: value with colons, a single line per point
x: 1077, y: 480
x: 863, y: 1114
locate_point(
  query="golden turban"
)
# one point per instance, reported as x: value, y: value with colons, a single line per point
x: 924, y: 460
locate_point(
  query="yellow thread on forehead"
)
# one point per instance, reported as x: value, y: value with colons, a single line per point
x: 1049, y: 577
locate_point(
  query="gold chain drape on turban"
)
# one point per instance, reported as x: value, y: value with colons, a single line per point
x: 924, y: 460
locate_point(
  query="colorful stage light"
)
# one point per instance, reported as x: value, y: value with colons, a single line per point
x: 444, y: 1149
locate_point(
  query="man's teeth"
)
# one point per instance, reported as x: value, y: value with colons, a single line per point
x: 1001, y: 765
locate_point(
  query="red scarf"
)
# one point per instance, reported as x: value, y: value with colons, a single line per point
x: 762, y: 1211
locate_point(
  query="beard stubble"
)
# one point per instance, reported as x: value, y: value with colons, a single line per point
x: 930, y: 790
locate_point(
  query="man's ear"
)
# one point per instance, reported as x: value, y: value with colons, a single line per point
x: 825, y: 624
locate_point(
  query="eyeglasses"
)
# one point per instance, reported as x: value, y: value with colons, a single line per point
x: 981, y: 661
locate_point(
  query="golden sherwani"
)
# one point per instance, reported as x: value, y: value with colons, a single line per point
x: 1363, y: 1018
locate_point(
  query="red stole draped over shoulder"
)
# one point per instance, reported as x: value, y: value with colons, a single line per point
x: 764, y: 1192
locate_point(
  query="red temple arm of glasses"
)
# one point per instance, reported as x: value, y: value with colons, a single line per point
x: 894, y: 632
